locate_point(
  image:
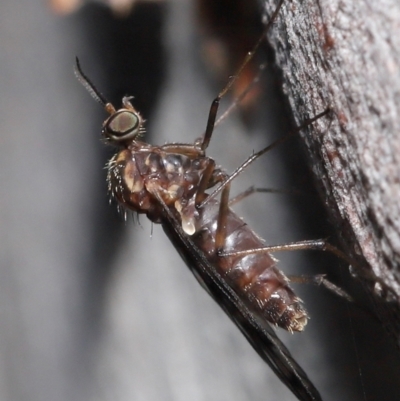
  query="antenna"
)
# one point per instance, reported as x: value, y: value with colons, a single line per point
x: 88, y: 84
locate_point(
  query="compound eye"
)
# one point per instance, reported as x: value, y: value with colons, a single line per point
x: 122, y: 125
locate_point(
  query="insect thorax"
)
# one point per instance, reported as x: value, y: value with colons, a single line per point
x: 135, y: 174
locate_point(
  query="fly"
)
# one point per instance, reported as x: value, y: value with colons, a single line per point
x: 169, y: 184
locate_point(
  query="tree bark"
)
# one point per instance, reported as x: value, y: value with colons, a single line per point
x: 345, y: 56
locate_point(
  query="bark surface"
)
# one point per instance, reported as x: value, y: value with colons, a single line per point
x: 346, y: 56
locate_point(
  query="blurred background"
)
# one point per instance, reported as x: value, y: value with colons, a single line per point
x: 96, y: 308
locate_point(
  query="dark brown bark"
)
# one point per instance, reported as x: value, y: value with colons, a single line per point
x: 345, y: 56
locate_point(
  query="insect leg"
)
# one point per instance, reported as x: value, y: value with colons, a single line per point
x: 204, y: 182
x: 319, y: 279
x: 210, y: 177
x: 321, y: 245
x: 215, y: 104
x: 240, y: 98
x: 252, y: 190
x: 316, y: 245
x: 256, y: 155
x: 220, y: 235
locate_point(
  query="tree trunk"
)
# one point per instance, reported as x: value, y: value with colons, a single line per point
x: 345, y: 56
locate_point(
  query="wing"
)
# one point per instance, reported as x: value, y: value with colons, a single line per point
x: 258, y: 332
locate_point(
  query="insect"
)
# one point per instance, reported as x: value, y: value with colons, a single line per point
x: 176, y: 185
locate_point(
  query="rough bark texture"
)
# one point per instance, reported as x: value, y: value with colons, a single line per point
x: 345, y: 55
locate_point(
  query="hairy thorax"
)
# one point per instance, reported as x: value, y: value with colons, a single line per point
x: 136, y: 173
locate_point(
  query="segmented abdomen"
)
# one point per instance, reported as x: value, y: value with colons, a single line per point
x: 255, y: 278
x: 133, y: 175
